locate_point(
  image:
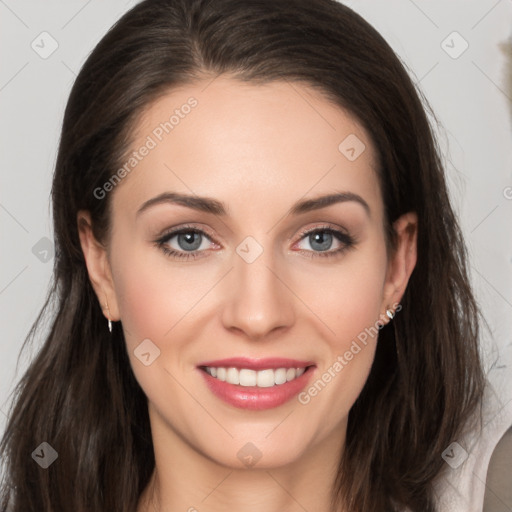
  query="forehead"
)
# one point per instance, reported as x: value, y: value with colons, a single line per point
x: 248, y: 144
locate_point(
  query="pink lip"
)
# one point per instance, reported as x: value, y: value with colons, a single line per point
x: 253, y: 397
x: 257, y: 364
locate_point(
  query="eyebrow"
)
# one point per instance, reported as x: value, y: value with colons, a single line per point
x: 210, y: 205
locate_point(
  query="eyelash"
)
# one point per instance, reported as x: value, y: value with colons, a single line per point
x: 347, y: 240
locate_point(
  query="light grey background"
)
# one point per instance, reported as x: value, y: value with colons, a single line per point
x: 468, y: 94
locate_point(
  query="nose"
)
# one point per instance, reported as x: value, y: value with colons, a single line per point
x: 258, y: 300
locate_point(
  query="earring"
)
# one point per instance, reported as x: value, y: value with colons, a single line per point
x: 109, y: 321
x: 391, y: 314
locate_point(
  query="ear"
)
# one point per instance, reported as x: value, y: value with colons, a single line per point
x: 402, y: 261
x: 98, y: 266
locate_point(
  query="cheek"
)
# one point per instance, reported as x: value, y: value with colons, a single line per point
x: 347, y: 299
x: 347, y: 296
x: 154, y: 299
x: 153, y: 294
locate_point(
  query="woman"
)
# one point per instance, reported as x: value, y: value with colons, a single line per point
x: 261, y: 290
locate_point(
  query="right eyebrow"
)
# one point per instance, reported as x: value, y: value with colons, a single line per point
x: 204, y: 204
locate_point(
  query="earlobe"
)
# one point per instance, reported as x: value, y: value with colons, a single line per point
x: 98, y: 266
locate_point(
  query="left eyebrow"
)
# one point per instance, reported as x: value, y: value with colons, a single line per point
x: 316, y: 203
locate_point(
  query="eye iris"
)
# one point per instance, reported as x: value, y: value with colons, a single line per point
x: 189, y: 238
x: 321, y: 237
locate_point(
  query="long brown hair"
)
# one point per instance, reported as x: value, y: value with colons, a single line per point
x: 80, y: 395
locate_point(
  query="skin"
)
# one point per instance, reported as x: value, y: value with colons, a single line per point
x: 258, y: 149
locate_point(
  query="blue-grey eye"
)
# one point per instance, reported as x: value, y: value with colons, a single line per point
x: 321, y: 240
x: 187, y: 241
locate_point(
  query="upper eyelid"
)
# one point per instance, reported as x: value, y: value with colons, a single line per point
x: 184, y: 229
x: 323, y: 227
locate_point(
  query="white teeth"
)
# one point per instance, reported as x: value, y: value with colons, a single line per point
x: 232, y: 376
x: 265, y: 378
x: 221, y: 373
x: 262, y: 378
x: 248, y: 377
x: 280, y: 376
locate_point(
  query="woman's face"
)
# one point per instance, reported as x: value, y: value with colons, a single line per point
x: 263, y: 272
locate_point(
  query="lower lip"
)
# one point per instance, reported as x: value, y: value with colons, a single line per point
x: 253, y: 397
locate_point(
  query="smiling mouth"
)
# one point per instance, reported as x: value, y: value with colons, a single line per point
x: 246, y: 377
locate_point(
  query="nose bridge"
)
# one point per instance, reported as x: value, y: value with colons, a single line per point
x: 258, y: 301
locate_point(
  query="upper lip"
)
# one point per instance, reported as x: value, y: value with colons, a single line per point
x: 257, y: 364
